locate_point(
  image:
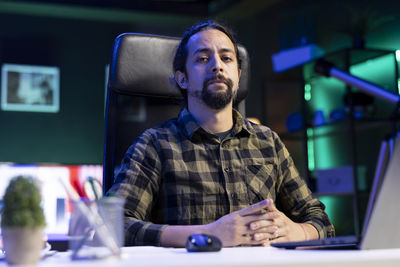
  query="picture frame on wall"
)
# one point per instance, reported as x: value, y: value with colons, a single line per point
x: 30, y: 88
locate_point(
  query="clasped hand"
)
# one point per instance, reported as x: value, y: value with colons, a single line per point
x: 253, y: 226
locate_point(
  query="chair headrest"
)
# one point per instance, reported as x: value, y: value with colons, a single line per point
x: 141, y: 65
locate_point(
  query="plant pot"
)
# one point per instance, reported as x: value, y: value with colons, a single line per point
x: 22, y: 245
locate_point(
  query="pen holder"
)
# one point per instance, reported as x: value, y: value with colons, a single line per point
x: 84, y: 238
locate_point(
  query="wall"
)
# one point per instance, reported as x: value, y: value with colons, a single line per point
x: 81, y: 49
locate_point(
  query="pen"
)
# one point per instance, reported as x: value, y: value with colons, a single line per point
x: 93, y: 189
x: 93, y: 219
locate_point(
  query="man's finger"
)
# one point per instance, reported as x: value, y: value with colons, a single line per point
x: 263, y: 225
x: 264, y: 216
x: 271, y: 206
x: 254, y: 208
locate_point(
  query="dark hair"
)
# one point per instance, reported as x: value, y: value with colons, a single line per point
x: 182, y: 50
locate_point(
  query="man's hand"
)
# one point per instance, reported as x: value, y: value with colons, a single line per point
x: 252, y: 225
x: 275, y: 227
x: 233, y: 229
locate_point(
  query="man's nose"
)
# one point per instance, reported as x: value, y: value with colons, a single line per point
x: 216, y: 65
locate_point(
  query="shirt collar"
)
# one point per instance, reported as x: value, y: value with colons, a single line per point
x: 189, y: 125
x: 241, y: 125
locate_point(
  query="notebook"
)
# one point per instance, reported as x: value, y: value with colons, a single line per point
x: 380, y: 228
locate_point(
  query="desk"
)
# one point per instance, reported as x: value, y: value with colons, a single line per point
x: 241, y: 256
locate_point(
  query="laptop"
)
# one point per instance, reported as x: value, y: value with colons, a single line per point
x: 380, y: 229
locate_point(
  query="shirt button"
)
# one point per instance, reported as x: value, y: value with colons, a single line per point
x: 233, y: 195
x: 227, y: 169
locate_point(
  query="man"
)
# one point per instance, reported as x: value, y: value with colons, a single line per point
x: 211, y: 171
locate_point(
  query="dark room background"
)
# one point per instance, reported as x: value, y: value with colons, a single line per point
x: 77, y: 38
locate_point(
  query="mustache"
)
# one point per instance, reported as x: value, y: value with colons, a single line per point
x: 217, y: 77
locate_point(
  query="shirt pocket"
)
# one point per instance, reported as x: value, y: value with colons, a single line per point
x: 261, y: 180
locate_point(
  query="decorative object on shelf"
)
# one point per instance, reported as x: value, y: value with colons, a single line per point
x: 337, y: 114
x: 295, y: 122
x: 22, y: 221
x: 340, y: 180
x: 319, y: 118
x: 363, y: 104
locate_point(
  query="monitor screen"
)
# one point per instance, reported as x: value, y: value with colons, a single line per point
x: 55, y: 202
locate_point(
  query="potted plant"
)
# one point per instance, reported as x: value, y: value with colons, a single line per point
x: 22, y: 221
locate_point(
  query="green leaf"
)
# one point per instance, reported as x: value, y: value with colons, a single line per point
x: 21, y: 204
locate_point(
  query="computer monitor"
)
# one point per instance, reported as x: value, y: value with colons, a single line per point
x: 55, y: 202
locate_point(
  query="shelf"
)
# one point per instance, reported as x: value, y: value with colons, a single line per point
x: 339, y: 194
x: 342, y: 127
x: 337, y: 128
x: 347, y: 133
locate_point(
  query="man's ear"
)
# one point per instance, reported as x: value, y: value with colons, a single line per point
x: 240, y: 72
x: 181, y: 79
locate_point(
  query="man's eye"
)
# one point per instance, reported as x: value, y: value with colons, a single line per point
x: 226, y: 59
x: 202, y: 59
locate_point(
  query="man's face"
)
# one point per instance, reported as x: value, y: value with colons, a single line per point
x: 212, y: 73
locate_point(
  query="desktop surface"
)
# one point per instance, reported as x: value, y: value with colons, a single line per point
x: 238, y: 256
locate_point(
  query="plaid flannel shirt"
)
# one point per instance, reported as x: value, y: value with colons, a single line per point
x: 179, y: 174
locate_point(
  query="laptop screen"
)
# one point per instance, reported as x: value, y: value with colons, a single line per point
x: 381, y: 165
x: 55, y: 203
x: 382, y: 228
x: 381, y: 221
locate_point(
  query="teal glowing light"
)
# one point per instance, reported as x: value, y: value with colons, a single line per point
x: 310, y: 149
x: 330, y: 206
x: 338, y: 210
x: 307, y: 92
x: 398, y: 55
x: 398, y: 86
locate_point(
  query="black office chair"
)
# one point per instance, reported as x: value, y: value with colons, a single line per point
x: 141, y: 92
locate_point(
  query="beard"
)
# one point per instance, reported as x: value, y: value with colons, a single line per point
x: 217, y: 99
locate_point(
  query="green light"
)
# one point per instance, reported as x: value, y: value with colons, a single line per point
x: 307, y: 92
x: 330, y: 205
x: 398, y: 85
x: 310, y: 149
x: 339, y: 212
x: 398, y: 55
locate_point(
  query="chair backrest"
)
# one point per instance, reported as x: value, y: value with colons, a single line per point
x: 142, y: 92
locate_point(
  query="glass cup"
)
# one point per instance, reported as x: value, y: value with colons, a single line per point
x: 91, y: 230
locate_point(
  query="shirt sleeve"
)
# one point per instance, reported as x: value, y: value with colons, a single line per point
x: 137, y: 182
x: 294, y: 198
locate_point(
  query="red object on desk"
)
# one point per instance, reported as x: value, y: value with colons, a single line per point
x: 75, y: 181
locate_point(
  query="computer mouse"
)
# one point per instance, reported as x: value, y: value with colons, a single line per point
x: 203, y: 243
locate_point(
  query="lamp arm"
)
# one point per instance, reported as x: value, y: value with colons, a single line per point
x: 328, y: 69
